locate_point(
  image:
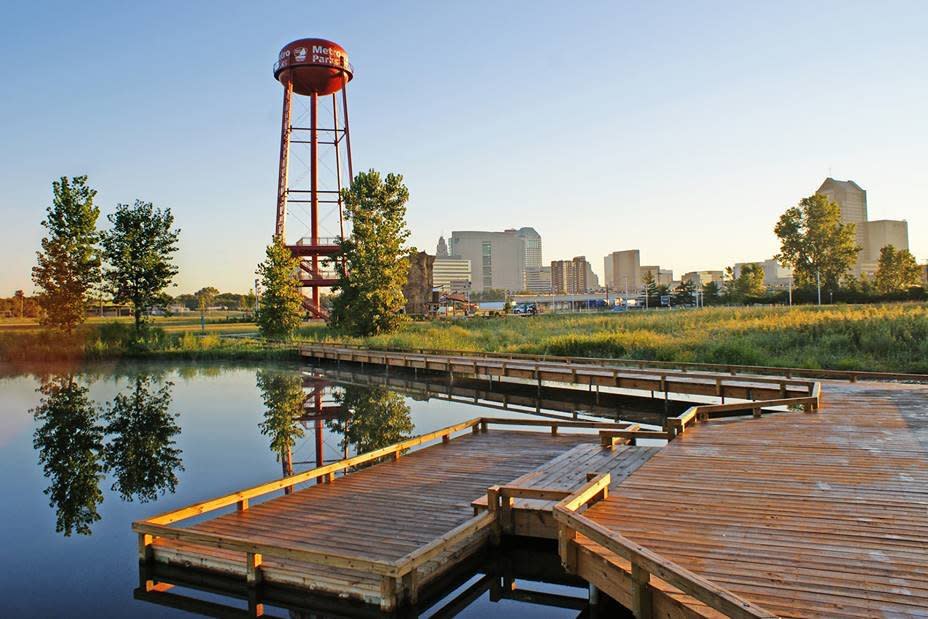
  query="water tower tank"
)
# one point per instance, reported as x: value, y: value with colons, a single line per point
x: 313, y: 66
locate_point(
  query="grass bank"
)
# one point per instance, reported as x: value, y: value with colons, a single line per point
x: 118, y: 340
x: 891, y: 337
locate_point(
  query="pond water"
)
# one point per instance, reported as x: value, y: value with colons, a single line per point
x: 85, y: 451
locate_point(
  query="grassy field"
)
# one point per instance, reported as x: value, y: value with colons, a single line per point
x: 891, y: 337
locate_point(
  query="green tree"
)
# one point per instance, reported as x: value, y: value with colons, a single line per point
x: 711, y: 292
x: 730, y: 292
x: 205, y: 298
x: 69, y: 440
x: 750, y: 281
x: 684, y: 292
x: 69, y: 262
x: 650, y: 289
x: 377, y: 417
x: 283, y: 396
x: 376, y: 260
x: 281, y: 306
x: 139, y: 251
x: 897, y: 270
x: 142, y: 452
x: 814, y: 241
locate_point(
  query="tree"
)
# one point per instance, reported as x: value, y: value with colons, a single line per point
x: 141, y: 452
x: 813, y: 241
x: 710, y: 293
x: 376, y: 260
x: 205, y: 298
x: 20, y: 297
x: 896, y: 270
x: 281, y: 305
x: 650, y: 289
x: 750, y: 281
x: 683, y: 295
x: 139, y: 251
x: 69, y: 262
x: 69, y: 441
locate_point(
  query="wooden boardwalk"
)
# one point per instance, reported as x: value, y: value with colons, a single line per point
x: 805, y: 515
x: 378, y: 534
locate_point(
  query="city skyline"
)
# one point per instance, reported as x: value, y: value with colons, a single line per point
x: 695, y: 149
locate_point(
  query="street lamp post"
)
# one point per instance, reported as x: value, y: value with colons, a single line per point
x: 818, y: 285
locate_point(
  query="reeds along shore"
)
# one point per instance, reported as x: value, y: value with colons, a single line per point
x: 889, y: 338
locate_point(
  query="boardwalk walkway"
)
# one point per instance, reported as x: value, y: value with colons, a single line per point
x: 806, y: 515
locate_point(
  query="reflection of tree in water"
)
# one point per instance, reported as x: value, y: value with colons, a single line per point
x: 283, y: 397
x: 69, y: 440
x: 141, y: 452
x: 376, y: 417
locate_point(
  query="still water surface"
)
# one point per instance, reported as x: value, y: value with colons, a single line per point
x: 85, y: 451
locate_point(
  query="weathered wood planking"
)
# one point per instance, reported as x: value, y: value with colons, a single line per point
x: 392, y: 512
x: 657, y: 380
x: 805, y: 515
x: 532, y: 517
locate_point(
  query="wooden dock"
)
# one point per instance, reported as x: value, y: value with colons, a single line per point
x: 379, y: 534
x: 796, y: 506
x: 821, y: 515
x: 655, y: 381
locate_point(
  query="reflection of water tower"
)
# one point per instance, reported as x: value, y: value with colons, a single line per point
x: 310, y: 194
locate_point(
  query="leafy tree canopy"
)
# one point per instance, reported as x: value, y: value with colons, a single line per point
x: 376, y: 260
x: 814, y: 241
x: 139, y: 250
x: 897, y: 270
x: 69, y: 263
x: 280, y: 309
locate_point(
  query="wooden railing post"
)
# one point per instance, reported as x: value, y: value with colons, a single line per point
x: 145, y: 553
x: 641, y: 592
x: 567, y: 547
x: 253, y: 568
x: 241, y: 505
x: 496, y: 533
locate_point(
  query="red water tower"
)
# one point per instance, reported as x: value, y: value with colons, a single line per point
x: 309, y: 193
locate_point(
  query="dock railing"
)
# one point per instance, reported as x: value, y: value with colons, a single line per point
x: 644, y: 562
x: 600, y: 371
x: 642, y: 364
x: 399, y: 578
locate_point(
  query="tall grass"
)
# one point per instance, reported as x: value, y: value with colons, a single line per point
x: 891, y: 337
x: 119, y: 340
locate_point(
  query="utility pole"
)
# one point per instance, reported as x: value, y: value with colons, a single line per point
x: 818, y: 284
x: 791, y: 290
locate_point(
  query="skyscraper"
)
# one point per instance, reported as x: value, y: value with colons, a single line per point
x: 497, y: 258
x: 571, y: 276
x: 872, y: 236
x: 532, y: 246
x: 441, y: 251
x: 623, y: 270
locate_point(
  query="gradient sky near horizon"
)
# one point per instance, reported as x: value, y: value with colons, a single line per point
x: 680, y: 128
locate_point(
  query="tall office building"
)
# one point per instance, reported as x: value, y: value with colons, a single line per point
x: 532, y: 246
x: 623, y: 270
x: 441, y: 250
x: 497, y: 258
x: 872, y: 236
x: 451, y: 274
x: 538, y: 279
x: 571, y: 276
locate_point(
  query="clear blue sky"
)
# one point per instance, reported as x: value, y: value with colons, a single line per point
x: 680, y: 128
